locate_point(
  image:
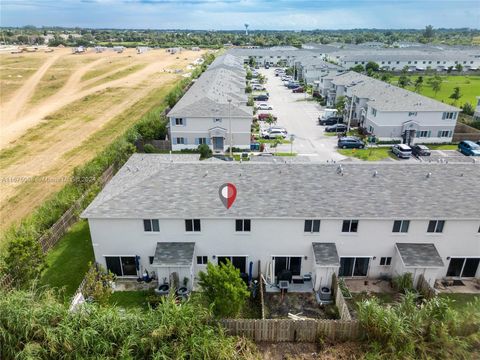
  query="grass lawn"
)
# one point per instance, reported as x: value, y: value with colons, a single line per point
x: 370, y: 154
x: 460, y: 300
x: 68, y: 260
x: 129, y: 299
x: 469, y: 88
x: 443, y: 147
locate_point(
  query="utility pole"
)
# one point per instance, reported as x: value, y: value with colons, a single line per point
x: 230, y: 127
x: 350, y: 113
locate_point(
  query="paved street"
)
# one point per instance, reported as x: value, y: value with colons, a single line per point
x: 299, y: 117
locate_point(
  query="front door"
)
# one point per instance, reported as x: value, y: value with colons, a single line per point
x: 218, y: 143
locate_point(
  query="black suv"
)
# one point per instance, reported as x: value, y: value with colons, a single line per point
x: 420, y: 150
x: 260, y: 98
x: 331, y: 120
x: 336, y: 128
x: 350, y: 142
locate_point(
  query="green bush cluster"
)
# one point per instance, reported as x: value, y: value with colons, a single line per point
x: 35, y: 325
x: 17, y: 237
x: 411, y: 331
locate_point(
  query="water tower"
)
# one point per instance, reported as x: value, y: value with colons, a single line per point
x: 246, y: 29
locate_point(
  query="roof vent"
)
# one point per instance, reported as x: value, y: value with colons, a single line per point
x: 340, y: 170
x: 375, y: 173
x: 206, y: 173
x: 429, y: 175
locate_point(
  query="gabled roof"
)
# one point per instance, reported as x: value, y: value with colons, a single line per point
x: 150, y: 186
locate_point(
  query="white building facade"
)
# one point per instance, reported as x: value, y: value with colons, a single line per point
x: 428, y: 223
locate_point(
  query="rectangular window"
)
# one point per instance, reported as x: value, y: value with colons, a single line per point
x: 179, y: 121
x: 150, y: 259
x: 312, y: 226
x: 202, y: 141
x: 444, y: 133
x: 448, y: 115
x: 412, y: 113
x: 180, y: 140
x: 192, y: 225
x: 242, y: 225
x: 217, y: 120
x: 350, y: 226
x: 436, y: 226
x: 202, y: 260
x: 400, y: 226
x: 385, y: 261
x: 150, y: 225
x: 374, y: 112
x: 423, y: 133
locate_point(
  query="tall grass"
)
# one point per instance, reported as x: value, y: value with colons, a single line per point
x: 429, y: 330
x: 34, y: 325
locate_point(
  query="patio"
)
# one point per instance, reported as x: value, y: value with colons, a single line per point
x: 134, y: 285
x: 369, y: 286
x: 305, y: 287
x: 458, y: 286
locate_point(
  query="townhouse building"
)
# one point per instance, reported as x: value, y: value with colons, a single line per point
x: 312, y: 68
x: 304, y: 221
x: 391, y: 113
x: 214, y: 110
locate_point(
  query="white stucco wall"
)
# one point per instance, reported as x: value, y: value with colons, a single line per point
x: 282, y: 237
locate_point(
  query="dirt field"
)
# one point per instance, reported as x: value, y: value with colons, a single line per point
x: 57, y: 110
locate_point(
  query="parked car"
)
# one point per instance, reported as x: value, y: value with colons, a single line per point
x: 264, y: 116
x: 336, y: 128
x: 299, y: 89
x: 478, y: 142
x: 420, y: 150
x: 293, y: 85
x: 328, y: 113
x: 267, y: 66
x: 275, y: 133
x: 350, y: 142
x: 267, y: 133
x: 260, y: 98
x: 469, y: 148
x: 264, y: 106
x: 258, y: 87
x: 330, y: 121
x: 402, y: 151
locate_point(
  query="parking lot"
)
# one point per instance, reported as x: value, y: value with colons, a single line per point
x: 448, y: 156
x: 299, y: 117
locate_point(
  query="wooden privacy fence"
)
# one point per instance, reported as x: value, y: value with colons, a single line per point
x: 6, y: 282
x: 465, y: 132
x: 69, y: 217
x: 340, y: 300
x: 288, y: 330
x: 424, y: 288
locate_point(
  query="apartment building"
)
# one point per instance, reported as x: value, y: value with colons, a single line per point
x: 392, y: 113
x: 361, y: 220
x: 214, y: 110
x: 312, y: 68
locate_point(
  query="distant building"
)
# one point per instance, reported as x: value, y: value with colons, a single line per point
x: 214, y: 110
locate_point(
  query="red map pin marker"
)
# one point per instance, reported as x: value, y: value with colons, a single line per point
x: 227, y: 193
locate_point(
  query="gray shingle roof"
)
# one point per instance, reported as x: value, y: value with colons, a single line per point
x: 209, y: 95
x: 419, y: 255
x: 386, y: 97
x: 174, y: 254
x: 325, y: 254
x: 149, y: 186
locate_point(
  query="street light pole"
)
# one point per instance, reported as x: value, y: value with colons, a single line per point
x: 230, y: 126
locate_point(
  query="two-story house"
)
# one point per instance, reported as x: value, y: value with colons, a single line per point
x: 308, y: 220
x: 214, y: 110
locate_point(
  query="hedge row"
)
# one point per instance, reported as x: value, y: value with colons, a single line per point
x: 151, y: 125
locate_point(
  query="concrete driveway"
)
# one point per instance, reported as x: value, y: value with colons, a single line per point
x: 299, y: 117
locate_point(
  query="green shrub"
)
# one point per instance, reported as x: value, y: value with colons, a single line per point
x: 204, y: 151
x: 224, y: 289
x: 149, y: 148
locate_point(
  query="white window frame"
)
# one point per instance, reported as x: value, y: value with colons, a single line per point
x: 243, y: 226
x: 402, y: 226
x: 178, y: 142
x: 202, y: 258
x: 312, y: 226
x: 387, y: 261
x: 436, y: 226
x: 193, y: 226
x: 151, y: 226
x: 350, y: 226
x: 179, y: 122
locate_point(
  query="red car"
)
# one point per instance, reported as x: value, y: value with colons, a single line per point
x: 265, y: 116
x: 298, y: 90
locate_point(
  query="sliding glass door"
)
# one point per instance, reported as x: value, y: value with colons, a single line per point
x: 354, y: 266
x: 463, y: 267
x: 121, y: 265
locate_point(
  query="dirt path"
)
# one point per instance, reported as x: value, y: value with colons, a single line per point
x: 12, y: 129
x: 11, y: 110
x: 75, y: 116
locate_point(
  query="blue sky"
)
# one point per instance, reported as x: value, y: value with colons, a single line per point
x: 232, y: 14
